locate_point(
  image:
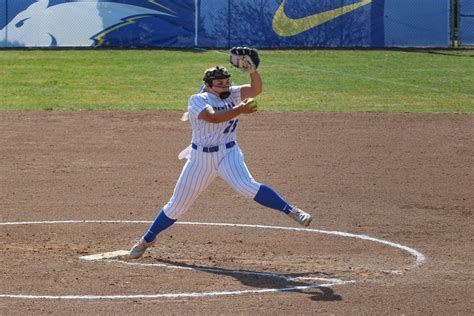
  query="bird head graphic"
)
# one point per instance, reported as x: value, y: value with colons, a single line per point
x: 72, y: 23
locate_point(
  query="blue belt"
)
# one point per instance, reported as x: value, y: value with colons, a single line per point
x: 213, y: 148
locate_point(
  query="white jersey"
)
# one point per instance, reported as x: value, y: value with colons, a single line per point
x: 202, y: 165
x: 207, y: 134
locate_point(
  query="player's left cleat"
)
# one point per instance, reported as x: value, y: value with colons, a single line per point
x: 300, y: 216
x: 139, y: 248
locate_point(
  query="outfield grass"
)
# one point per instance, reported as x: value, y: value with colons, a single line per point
x: 310, y: 80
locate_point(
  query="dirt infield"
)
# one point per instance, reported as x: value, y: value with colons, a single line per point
x: 400, y: 178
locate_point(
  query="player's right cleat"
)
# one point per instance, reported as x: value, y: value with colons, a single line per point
x: 300, y: 216
x: 139, y: 248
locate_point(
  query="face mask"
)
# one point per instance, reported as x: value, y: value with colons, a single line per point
x: 224, y: 95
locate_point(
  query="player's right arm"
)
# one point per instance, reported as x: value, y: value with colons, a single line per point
x: 254, y: 88
x: 211, y: 116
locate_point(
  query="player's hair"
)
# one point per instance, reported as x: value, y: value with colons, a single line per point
x: 215, y: 73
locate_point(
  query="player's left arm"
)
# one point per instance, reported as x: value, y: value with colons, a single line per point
x: 254, y: 88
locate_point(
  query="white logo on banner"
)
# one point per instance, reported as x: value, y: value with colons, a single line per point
x: 68, y: 24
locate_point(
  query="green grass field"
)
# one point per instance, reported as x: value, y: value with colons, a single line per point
x: 301, y: 80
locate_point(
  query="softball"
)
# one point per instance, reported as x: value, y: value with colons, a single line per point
x: 252, y: 102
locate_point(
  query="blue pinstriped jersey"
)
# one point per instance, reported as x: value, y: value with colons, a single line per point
x: 211, y: 134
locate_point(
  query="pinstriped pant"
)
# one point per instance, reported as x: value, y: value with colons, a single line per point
x: 201, y: 169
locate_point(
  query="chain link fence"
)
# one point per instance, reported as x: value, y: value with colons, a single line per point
x: 466, y: 23
x: 227, y: 23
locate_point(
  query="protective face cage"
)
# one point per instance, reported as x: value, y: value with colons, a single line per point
x: 215, y: 73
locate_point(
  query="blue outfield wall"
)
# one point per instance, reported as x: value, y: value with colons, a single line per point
x: 466, y: 22
x: 3, y: 22
x: 226, y: 23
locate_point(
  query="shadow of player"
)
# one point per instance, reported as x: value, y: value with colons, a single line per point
x: 266, y: 280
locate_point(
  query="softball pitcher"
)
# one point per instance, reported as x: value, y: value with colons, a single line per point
x: 214, y: 151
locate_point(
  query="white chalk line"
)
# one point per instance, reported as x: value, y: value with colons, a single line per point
x: 171, y: 295
x: 420, y: 259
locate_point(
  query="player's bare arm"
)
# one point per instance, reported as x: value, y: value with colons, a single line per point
x: 247, y: 106
x: 254, y: 88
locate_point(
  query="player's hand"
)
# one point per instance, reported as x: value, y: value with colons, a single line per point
x: 248, y: 106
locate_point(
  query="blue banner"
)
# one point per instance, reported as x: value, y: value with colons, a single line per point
x: 467, y: 22
x: 227, y: 23
x: 417, y: 23
x: 3, y: 21
x: 325, y: 23
x: 290, y: 23
x: 114, y: 23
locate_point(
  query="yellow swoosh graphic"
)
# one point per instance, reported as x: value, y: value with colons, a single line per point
x: 285, y: 26
x: 161, y: 6
x: 100, y: 37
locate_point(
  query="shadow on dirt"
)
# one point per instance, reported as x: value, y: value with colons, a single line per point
x: 267, y: 280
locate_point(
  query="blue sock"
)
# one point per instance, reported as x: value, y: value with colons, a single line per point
x: 160, y: 223
x: 268, y: 197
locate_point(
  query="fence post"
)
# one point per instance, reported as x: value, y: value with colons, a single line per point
x: 454, y: 14
x: 229, y: 3
x: 196, y: 23
x: 6, y: 23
